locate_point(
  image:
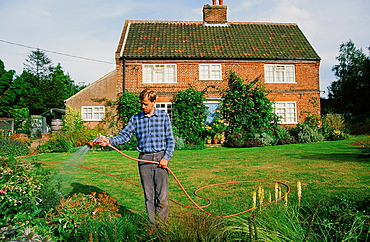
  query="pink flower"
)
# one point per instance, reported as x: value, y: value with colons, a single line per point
x: 3, y: 191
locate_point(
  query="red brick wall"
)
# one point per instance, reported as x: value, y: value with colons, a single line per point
x: 305, y: 91
x: 96, y: 94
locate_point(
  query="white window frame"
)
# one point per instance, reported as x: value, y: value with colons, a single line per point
x: 279, y: 73
x: 287, y: 111
x: 159, y: 73
x: 167, y: 107
x: 93, y: 113
x: 210, y: 72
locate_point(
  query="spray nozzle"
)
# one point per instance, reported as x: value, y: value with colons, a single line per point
x: 94, y: 141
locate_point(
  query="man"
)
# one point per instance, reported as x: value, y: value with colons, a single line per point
x: 155, y: 143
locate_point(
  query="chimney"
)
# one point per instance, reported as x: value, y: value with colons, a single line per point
x: 215, y: 14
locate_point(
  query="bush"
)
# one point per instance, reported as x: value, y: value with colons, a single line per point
x: 189, y: 115
x: 179, y: 143
x: 343, y: 219
x: 241, y: 140
x: 247, y: 111
x: 73, y: 134
x: 283, y: 137
x: 21, y: 191
x: 333, y: 127
x: 305, y: 134
x: 265, y: 139
x: 75, y: 210
x: 12, y: 148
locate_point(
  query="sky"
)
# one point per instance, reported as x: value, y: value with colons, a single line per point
x: 82, y: 35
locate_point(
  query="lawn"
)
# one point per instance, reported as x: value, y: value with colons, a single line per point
x: 325, y: 169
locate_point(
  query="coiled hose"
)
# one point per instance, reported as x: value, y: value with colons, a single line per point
x: 211, y: 185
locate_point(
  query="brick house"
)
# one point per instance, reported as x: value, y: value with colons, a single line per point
x: 171, y: 56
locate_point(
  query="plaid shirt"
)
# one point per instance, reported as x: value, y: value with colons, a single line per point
x: 153, y: 133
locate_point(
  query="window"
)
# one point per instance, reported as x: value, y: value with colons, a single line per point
x: 210, y: 72
x: 167, y: 107
x: 159, y: 73
x: 213, y: 108
x: 279, y: 74
x: 93, y: 113
x: 287, y: 111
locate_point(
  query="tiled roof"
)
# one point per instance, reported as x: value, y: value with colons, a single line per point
x: 238, y: 40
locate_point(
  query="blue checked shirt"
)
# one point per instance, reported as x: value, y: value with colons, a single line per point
x: 153, y: 133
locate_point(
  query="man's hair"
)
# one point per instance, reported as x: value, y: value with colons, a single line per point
x: 147, y: 93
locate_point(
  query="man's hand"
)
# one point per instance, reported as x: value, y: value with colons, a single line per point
x: 163, y: 163
x: 103, y: 142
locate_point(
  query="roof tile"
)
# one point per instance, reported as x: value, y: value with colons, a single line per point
x: 166, y: 39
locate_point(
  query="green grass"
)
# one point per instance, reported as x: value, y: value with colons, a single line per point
x: 326, y: 169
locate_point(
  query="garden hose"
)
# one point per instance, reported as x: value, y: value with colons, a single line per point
x: 183, y: 189
x: 211, y: 185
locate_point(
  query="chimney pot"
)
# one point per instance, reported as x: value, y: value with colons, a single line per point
x: 213, y: 2
x: 221, y: 2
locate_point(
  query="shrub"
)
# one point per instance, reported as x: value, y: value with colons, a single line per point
x: 304, y: 134
x: 75, y: 210
x: 342, y: 219
x: 333, y: 127
x: 247, y: 110
x: 73, y: 134
x: 128, y: 105
x: 125, y: 228
x: 283, y: 137
x: 265, y: 139
x: 21, y: 191
x: 13, y: 148
x: 189, y: 115
x: 240, y: 140
x: 179, y: 143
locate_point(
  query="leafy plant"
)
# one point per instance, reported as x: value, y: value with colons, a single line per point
x: 20, y: 188
x: 247, y: 110
x: 333, y: 126
x: 75, y: 210
x: 189, y: 115
x: 305, y: 134
x: 13, y: 148
x: 73, y: 134
x: 128, y: 105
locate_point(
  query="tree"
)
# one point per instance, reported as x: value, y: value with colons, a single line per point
x: 43, y: 86
x: 247, y: 110
x: 38, y: 64
x: 189, y: 115
x: 350, y: 92
x: 57, y: 88
x: 8, y: 93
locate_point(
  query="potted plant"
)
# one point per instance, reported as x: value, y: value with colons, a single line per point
x: 220, y: 137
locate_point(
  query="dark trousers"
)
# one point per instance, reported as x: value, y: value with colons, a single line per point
x: 155, y: 184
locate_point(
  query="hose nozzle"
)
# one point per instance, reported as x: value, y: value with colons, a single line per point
x: 93, y: 142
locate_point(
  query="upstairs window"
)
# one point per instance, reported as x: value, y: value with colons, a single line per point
x: 159, y: 73
x: 93, y: 113
x: 279, y: 73
x: 287, y: 112
x: 210, y: 72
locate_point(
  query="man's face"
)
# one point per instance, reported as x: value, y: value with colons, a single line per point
x: 147, y: 106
